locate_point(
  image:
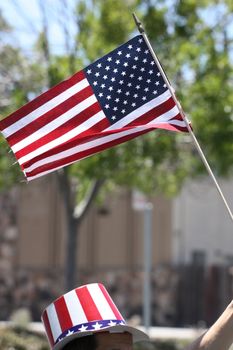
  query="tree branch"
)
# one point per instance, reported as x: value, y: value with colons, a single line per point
x: 65, y: 187
x: 81, y: 209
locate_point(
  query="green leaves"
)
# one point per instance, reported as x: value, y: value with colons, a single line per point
x: 196, y: 52
x: 103, y: 27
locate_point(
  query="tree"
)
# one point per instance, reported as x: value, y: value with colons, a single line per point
x: 201, y: 72
x: 18, y: 79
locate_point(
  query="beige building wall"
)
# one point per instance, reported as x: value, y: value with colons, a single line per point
x: 110, y: 237
x: 41, y: 225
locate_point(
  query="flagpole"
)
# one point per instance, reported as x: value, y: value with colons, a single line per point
x: 142, y: 31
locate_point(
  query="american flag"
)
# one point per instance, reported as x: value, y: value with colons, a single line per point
x: 117, y: 98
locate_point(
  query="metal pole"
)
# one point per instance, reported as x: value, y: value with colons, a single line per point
x: 147, y: 266
x: 142, y: 31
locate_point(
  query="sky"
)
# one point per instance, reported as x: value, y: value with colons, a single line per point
x: 25, y: 16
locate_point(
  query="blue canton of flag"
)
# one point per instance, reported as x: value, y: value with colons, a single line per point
x: 125, y: 79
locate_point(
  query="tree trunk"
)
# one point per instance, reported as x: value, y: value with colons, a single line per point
x: 74, y: 217
x: 72, y: 227
x: 71, y: 253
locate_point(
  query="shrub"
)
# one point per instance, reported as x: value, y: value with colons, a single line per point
x: 21, y: 339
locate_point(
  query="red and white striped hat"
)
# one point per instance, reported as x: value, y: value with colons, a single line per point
x: 84, y: 311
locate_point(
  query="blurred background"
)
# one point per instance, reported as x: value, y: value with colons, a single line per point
x: 144, y: 217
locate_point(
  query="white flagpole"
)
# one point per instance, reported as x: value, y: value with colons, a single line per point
x: 142, y: 31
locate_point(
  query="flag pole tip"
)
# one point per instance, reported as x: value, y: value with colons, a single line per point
x: 138, y: 23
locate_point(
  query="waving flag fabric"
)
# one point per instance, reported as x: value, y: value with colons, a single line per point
x: 118, y: 97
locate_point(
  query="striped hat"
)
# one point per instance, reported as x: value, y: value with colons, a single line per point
x: 84, y: 311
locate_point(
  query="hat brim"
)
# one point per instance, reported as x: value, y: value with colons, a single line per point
x: 138, y: 335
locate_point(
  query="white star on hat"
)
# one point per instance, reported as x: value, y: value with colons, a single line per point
x: 97, y: 326
x: 83, y: 328
x: 69, y: 333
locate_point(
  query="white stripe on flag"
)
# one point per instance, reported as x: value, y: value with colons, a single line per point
x: 63, y: 118
x: 44, y: 172
x: 165, y: 117
x: 58, y: 141
x: 90, y: 144
x: 141, y: 110
x: 53, y: 320
x: 180, y: 123
x: 100, y: 301
x: 75, y: 309
x: 27, y: 119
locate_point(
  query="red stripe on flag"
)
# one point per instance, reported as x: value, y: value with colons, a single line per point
x: 40, y: 100
x: 50, y: 116
x: 88, y: 135
x: 167, y: 126
x: 181, y: 128
x: 88, y: 304
x: 63, y: 314
x: 153, y: 113
x: 61, y: 130
x: 48, y: 328
x: 97, y: 132
x: 111, y: 303
x: 80, y: 155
